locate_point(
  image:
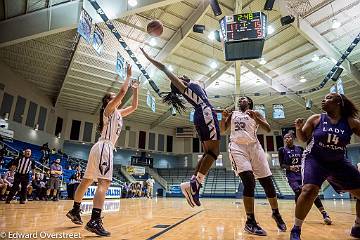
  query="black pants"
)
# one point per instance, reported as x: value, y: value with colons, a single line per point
x: 22, y: 179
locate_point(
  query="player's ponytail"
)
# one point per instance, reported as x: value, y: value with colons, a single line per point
x: 348, y: 108
x: 105, y: 101
x: 174, y: 98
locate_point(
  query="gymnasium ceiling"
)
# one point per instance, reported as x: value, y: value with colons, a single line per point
x: 76, y: 77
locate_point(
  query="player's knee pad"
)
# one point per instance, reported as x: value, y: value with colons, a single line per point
x: 268, y: 186
x: 248, y: 181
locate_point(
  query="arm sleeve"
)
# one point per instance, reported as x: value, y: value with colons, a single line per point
x: 283, y: 165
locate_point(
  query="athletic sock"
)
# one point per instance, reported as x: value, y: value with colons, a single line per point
x: 76, y: 205
x: 96, y: 213
x: 298, y: 222
x: 200, y: 178
x: 275, y: 211
x: 250, y: 217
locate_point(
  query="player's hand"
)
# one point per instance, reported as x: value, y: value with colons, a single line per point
x: 299, y: 123
x: 129, y: 70
x: 135, y: 84
x: 293, y: 168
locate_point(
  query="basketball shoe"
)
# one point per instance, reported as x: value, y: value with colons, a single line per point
x: 74, y: 216
x: 295, y: 233
x: 253, y: 228
x: 96, y: 226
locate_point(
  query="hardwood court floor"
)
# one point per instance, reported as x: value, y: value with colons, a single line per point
x: 216, y: 219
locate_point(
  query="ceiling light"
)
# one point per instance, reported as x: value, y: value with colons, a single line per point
x: 262, y: 61
x: 211, y: 36
x: 270, y: 30
x: 83, y: 143
x: 335, y: 24
x: 213, y: 65
x: 315, y: 58
x: 132, y: 3
x: 152, y: 42
x: 170, y: 68
x: 302, y: 79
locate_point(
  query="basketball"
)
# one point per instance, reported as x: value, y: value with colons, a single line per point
x: 155, y: 28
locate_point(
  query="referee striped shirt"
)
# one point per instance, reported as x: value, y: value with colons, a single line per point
x: 24, y: 165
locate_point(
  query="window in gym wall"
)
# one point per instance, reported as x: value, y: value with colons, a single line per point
x: 6, y: 104
x: 75, y: 130
x: 270, y: 143
x: 279, y: 142
x: 161, y: 142
x: 88, y: 127
x: 142, y: 139
x: 151, y: 141
x: 30, y: 119
x: 219, y: 161
x: 132, y: 139
x: 19, y: 109
x: 42, y: 118
x: 59, y: 126
x: 196, y: 145
x: 261, y: 140
x: 169, y: 143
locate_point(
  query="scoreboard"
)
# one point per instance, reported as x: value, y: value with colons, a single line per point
x: 244, y: 26
x: 244, y: 35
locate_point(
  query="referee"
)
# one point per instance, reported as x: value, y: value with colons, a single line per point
x: 23, y: 165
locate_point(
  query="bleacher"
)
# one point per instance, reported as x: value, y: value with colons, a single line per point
x: 175, y: 176
x: 220, y: 183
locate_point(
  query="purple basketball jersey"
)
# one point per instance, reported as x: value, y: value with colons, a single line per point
x: 329, y: 140
x: 292, y: 157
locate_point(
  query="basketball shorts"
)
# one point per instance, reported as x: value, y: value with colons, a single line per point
x: 341, y: 175
x: 294, y: 180
x: 100, y: 162
x: 249, y: 157
x: 206, y: 123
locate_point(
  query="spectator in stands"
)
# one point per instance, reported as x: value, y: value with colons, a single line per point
x: 39, y: 187
x: 21, y: 177
x: 74, y: 182
x: 56, y: 172
x: 3, y: 187
x: 9, y: 178
x: 150, y: 185
x: 45, y: 151
x: 3, y: 153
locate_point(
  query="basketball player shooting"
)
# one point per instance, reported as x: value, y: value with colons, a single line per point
x: 249, y: 161
x: 205, y: 121
x: 100, y: 163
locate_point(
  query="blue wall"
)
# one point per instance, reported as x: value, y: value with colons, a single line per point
x: 123, y: 156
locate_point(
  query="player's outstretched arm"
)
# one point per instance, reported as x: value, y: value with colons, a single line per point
x: 226, y: 122
x: 113, y: 104
x: 355, y: 125
x: 259, y: 119
x: 173, y: 78
x: 134, y: 103
x: 304, y: 130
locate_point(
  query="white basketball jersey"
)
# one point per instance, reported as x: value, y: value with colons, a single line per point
x: 243, y: 128
x: 112, y: 127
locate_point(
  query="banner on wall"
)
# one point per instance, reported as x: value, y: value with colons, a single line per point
x: 135, y: 170
x: 84, y: 27
x: 340, y: 87
x: 120, y: 66
x: 261, y: 109
x: 333, y: 89
x: 278, y: 111
x: 98, y: 39
x: 112, y: 192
